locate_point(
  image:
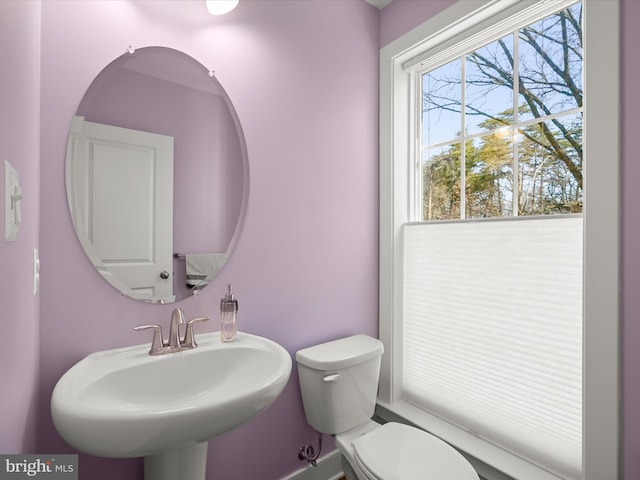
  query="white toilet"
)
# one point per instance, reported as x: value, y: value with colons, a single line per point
x: 339, y: 385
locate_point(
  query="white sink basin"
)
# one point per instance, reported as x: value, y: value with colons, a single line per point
x: 126, y: 403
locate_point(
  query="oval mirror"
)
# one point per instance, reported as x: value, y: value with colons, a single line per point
x: 157, y: 175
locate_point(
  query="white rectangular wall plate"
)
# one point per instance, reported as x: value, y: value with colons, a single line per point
x: 12, y: 199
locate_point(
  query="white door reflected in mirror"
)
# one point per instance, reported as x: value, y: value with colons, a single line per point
x: 122, y: 200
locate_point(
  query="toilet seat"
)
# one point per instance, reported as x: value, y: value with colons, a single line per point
x: 399, y: 452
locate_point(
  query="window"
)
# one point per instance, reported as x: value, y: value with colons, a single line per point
x: 486, y: 148
x: 501, y: 125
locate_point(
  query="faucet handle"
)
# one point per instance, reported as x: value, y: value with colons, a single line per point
x: 189, y: 338
x: 157, y: 344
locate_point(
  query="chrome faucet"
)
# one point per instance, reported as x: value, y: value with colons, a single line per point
x: 160, y: 347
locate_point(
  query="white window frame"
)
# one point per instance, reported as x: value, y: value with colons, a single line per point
x: 601, y: 213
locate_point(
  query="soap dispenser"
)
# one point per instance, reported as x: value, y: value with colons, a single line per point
x: 229, y: 316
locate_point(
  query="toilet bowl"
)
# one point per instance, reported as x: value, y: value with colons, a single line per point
x: 338, y: 383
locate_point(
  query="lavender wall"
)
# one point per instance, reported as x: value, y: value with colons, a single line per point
x: 630, y: 104
x: 19, y: 144
x: 303, y: 78
x: 400, y: 16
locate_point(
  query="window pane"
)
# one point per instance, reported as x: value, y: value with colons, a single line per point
x: 489, y: 86
x: 550, y: 167
x: 441, y: 100
x: 441, y: 183
x: 489, y: 176
x: 550, y: 64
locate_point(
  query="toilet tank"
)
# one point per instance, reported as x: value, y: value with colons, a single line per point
x: 339, y: 382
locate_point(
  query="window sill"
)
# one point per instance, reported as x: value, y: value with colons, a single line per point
x: 491, y: 462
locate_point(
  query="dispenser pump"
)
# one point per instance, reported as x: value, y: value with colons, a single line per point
x: 229, y: 316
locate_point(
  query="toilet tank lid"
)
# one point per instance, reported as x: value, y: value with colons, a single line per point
x: 341, y: 353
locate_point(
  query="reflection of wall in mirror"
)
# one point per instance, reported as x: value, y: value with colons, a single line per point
x: 208, y: 156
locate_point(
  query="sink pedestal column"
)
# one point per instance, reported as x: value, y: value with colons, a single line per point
x: 186, y: 463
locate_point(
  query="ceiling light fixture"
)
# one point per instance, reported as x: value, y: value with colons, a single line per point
x: 220, y: 7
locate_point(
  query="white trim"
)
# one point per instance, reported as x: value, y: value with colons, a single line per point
x: 329, y: 467
x: 601, y: 368
x: 472, y: 447
x: 491, y: 22
x: 601, y: 212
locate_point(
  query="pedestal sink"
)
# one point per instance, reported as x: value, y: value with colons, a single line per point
x: 126, y: 403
